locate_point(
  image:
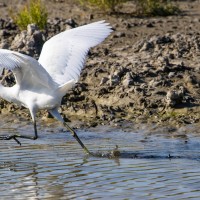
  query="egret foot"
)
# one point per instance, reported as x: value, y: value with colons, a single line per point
x: 14, y: 137
x: 10, y: 137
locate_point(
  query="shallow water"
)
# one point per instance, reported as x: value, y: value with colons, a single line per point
x: 151, y: 166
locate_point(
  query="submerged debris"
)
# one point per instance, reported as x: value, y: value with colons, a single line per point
x: 115, y: 153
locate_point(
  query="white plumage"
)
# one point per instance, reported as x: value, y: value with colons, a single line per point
x: 67, y: 51
x: 42, y: 84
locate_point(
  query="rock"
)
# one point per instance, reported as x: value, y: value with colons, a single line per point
x: 146, y: 46
x: 3, y: 4
x: 114, y: 80
x: 119, y: 35
x: 174, y: 97
x: 120, y: 71
x: 71, y: 22
x: 154, y: 83
x: 104, y: 80
x: 30, y: 41
x: 4, y: 33
x: 171, y: 75
x: 4, y: 45
x: 164, y: 40
x: 164, y: 61
x: 128, y: 81
x: 150, y: 25
x: 31, y: 28
x: 10, y: 25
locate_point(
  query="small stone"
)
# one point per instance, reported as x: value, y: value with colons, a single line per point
x: 147, y: 46
x: 128, y: 80
x: 4, y: 45
x: 150, y: 25
x: 119, y: 35
x: 171, y: 74
x: 31, y: 28
x: 174, y: 97
x: 114, y: 80
x: 104, y: 80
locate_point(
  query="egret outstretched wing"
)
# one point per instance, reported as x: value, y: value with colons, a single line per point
x: 63, y: 55
x: 27, y: 70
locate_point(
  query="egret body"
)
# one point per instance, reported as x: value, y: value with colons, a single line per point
x: 42, y: 84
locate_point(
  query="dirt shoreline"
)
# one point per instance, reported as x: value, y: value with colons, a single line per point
x: 146, y: 72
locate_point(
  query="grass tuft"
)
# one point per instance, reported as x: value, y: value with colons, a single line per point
x: 34, y: 12
x: 106, y: 5
x: 156, y: 8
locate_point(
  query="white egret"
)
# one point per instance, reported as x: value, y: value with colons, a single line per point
x: 42, y: 84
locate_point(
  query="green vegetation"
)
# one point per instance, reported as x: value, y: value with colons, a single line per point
x: 34, y: 12
x: 156, y: 8
x: 143, y: 7
x: 106, y: 5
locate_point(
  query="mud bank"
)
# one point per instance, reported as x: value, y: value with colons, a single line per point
x: 147, y: 71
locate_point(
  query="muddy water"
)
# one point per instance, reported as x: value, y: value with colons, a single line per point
x: 151, y: 166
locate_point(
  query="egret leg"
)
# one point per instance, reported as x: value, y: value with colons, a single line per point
x: 57, y: 115
x: 16, y: 136
x: 77, y: 138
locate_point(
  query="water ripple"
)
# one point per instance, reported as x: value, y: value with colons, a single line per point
x: 54, y: 167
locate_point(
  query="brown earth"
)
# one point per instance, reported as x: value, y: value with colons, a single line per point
x: 147, y: 71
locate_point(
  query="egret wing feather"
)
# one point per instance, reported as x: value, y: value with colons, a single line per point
x: 1, y: 71
x: 64, y: 55
x: 27, y: 70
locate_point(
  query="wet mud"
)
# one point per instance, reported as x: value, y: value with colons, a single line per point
x: 147, y: 71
